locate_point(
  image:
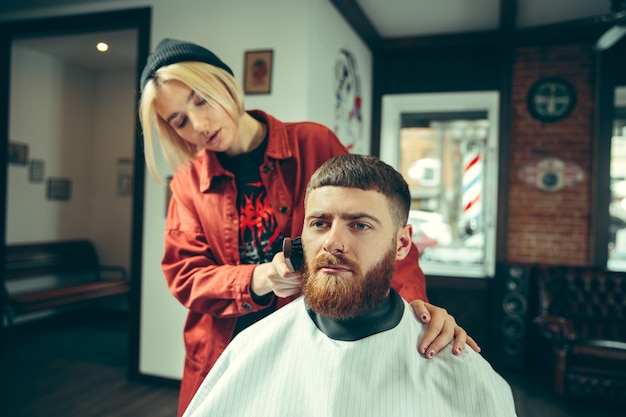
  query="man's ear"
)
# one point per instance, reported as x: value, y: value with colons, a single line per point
x: 404, y: 241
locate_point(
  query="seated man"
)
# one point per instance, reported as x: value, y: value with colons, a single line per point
x: 347, y: 346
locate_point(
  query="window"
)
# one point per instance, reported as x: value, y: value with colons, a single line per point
x: 617, y: 205
x: 444, y: 145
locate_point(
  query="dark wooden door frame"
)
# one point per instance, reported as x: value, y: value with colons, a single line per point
x: 139, y: 19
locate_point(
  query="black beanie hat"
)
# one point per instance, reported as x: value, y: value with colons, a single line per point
x: 171, y: 51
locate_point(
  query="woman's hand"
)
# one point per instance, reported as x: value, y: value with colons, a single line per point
x: 442, y: 329
x: 275, y: 277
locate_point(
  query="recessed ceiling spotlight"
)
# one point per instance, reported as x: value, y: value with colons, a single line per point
x: 102, y: 46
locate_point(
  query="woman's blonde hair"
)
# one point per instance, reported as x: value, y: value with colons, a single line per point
x: 211, y: 83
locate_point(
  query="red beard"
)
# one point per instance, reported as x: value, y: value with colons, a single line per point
x: 342, y: 298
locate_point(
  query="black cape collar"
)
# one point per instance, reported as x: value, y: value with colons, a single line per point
x: 384, y: 317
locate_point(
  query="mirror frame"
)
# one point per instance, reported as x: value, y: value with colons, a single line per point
x: 610, y: 74
x: 139, y: 19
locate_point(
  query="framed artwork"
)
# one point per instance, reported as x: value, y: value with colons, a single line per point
x: 348, y: 100
x: 18, y: 153
x: 35, y: 170
x: 258, y: 72
x: 59, y: 189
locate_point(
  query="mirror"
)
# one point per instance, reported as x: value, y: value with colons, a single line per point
x: 58, y: 114
x: 617, y: 205
x: 445, y: 145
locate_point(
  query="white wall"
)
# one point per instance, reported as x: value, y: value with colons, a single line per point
x: 305, y: 36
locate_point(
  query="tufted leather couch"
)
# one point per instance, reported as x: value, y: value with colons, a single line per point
x: 582, y: 331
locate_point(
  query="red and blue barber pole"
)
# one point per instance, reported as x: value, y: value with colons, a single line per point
x: 471, y: 198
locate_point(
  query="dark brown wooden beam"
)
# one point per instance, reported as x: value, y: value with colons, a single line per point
x: 508, y: 15
x: 475, y: 39
x: 361, y: 24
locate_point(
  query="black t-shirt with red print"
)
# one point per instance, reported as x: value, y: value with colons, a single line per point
x: 259, y: 236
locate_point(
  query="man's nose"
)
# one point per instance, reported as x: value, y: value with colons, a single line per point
x: 334, y: 243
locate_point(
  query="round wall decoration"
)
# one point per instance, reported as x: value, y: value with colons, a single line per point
x: 551, y: 99
x: 551, y: 174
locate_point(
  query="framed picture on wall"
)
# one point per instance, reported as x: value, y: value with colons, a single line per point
x: 258, y: 72
x: 59, y: 189
x: 18, y: 153
x: 35, y: 170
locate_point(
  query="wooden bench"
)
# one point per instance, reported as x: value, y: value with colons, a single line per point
x: 48, y: 275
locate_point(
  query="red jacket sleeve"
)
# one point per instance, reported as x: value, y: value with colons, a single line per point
x: 409, y: 280
x: 196, y: 271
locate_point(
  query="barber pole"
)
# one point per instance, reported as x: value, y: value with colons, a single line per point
x: 471, y: 199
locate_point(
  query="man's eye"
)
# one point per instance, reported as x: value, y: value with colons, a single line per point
x: 361, y: 226
x: 317, y: 224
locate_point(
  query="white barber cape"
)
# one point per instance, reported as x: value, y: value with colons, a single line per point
x: 284, y: 366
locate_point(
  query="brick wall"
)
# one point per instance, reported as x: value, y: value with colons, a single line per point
x: 543, y: 226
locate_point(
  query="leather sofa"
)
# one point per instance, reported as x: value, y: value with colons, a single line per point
x: 581, y: 330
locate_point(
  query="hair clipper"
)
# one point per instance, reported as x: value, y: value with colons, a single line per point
x: 292, y: 248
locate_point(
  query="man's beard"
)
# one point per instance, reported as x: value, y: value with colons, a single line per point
x: 342, y: 298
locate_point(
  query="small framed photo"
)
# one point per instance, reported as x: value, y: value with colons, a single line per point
x: 124, y: 185
x: 18, y: 153
x: 258, y: 72
x: 59, y: 189
x: 35, y: 170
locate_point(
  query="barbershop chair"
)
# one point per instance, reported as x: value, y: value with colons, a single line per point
x: 582, y: 331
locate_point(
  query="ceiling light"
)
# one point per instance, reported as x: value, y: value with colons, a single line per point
x: 610, y: 37
x: 102, y: 46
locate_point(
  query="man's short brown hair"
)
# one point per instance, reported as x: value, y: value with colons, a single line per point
x: 366, y: 173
